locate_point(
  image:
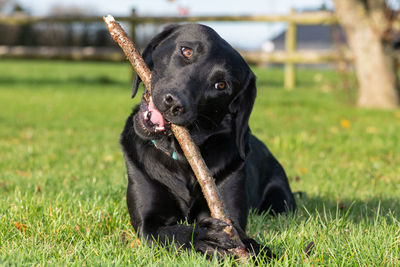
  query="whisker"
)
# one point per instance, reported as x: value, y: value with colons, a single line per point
x: 196, y: 124
x: 208, y: 119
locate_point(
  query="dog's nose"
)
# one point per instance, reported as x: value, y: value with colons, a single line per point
x: 173, y: 104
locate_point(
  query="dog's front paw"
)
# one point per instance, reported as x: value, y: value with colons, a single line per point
x: 210, y: 238
x: 257, y: 250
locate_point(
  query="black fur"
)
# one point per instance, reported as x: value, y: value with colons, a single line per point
x: 162, y: 191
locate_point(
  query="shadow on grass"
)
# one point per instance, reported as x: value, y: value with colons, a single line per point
x: 263, y: 83
x: 81, y: 80
x: 304, y: 83
x: 353, y: 210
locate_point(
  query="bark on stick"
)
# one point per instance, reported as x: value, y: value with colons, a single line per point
x: 189, y: 148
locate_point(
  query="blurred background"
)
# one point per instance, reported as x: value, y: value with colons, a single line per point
x: 252, y: 35
x: 303, y: 33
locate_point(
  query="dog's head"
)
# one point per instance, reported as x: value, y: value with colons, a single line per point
x: 198, y: 81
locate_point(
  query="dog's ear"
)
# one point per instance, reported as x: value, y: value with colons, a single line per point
x: 148, y: 52
x: 241, y: 108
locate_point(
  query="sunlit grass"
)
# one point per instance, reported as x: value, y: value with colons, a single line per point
x: 63, y: 181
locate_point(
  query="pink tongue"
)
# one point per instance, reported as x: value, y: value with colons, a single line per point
x: 156, y: 117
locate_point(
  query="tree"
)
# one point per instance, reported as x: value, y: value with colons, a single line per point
x: 367, y: 24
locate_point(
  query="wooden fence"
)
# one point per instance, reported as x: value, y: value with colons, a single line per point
x: 289, y: 57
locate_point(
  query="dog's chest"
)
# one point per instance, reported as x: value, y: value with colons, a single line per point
x: 177, y: 178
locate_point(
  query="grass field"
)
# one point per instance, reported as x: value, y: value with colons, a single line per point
x: 62, y: 175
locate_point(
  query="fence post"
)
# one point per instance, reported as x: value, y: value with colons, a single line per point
x: 133, y: 24
x: 133, y: 36
x: 290, y: 43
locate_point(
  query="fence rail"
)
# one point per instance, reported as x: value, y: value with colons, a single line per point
x: 67, y: 53
x: 290, y: 57
x: 320, y: 17
x: 114, y: 54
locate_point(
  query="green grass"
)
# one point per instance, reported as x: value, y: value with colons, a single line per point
x: 62, y: 174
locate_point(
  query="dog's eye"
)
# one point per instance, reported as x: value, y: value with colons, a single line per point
x: 186, y: 52
x: 220, y: 85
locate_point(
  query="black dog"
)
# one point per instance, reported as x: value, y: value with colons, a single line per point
x: 198, y: 81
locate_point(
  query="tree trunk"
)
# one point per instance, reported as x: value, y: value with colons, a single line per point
x: 366, y: 24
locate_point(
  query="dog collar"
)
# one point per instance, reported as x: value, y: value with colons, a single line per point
x: 172, y: 154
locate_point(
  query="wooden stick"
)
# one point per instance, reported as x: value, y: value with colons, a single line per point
x: 189, y: 148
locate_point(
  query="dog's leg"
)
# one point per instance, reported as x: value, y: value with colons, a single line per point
x: 277, y: 198
x: 235, y: 200
x: 155, y: 216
